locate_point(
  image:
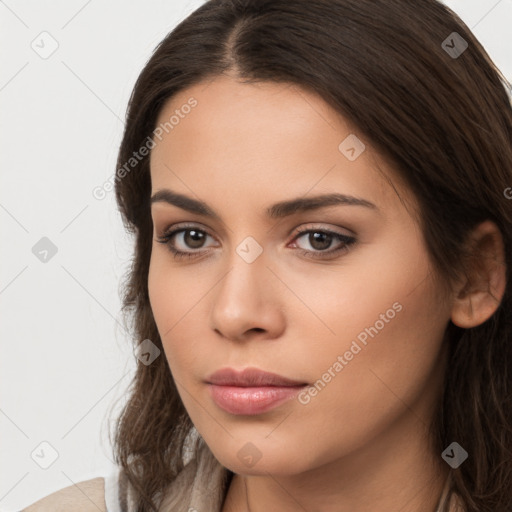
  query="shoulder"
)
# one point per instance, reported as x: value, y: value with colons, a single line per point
x: 85, y: 496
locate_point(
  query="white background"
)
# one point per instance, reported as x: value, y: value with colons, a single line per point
x: 65, y: 356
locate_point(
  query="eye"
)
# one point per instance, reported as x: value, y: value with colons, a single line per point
x: 192, y: 237
x: 189, y: 236
x: 320, y: 240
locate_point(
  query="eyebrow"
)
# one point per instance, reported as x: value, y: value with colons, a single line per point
x: 276, y: 211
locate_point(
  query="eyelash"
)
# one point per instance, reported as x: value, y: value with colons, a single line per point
x: 347, y: 242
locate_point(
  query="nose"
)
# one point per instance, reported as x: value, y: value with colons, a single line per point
x: 247, y: 301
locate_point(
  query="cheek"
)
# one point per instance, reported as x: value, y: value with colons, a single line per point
x: 174, y: 301
x: 164, y: 293
x: 388, y: 361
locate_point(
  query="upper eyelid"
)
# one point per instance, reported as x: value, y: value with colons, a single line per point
x: 174, y: 229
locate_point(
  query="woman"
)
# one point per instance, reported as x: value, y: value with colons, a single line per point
x: 320, y: 194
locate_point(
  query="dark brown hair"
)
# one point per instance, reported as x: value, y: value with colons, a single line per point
x: 444, y: 123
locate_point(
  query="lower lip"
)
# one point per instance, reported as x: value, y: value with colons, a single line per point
x: 250, y: 401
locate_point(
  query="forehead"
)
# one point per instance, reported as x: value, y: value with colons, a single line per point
x: 263, y: 140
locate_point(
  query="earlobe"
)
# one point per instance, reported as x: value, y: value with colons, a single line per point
x: 480, y: 295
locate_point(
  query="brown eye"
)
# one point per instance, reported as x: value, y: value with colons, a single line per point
x: 188, y: 238
x: 193, y: 238
x: 321, y: 240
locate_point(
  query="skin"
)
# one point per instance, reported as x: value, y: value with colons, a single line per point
x: 361, y: 443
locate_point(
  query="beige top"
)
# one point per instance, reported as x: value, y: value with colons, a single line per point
x: 201, y: 485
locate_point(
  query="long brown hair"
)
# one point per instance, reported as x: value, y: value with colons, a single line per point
x: 434, y: 105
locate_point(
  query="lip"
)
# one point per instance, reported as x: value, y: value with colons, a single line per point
x: 250, y: 377
x: 251, y: 391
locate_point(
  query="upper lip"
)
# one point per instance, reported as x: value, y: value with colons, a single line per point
x: 249, y: 377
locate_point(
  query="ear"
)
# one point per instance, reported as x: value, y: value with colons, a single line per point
x: 479, y: 295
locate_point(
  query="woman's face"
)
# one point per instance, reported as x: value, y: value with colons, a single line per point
x: 361, y: 323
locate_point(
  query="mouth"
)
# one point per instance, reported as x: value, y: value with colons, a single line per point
x: 251, y: 391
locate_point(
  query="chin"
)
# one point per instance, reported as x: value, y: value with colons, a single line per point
x: 247, y: 459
